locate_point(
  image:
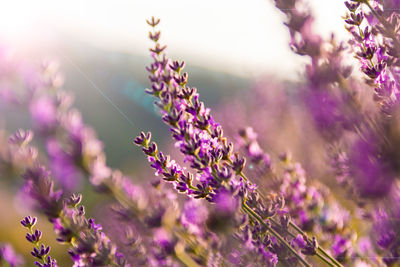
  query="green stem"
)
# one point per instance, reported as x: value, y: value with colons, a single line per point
x: 292, y: 224
x: 317, y: 253
x: 298, y: 229
x: 258, y: 218
x: 274, y: 233
x: 43, y: 259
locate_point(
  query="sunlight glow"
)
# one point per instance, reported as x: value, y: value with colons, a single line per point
x: 248, y: 38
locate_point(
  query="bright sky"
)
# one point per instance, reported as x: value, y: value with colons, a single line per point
x: 243, y: 37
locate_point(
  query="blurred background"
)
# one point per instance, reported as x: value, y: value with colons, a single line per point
x: 230, y: 48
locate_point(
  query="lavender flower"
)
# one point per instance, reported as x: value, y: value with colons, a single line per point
x: 89, y: 245
x: 369, y: 161
x: 221, y: 217
x: 309, y: 205
x: 16, y: 154
x: 386, y: 230
x: 378, y: 60
x: 74, y: 150
x: 9, y: 256
x: 259, y: 160
x: 194, y: 215
x: 40, y: 251
x: 331, y: 101
x: 201, y: 140
x: 72, y: 146
x: 369, y: 169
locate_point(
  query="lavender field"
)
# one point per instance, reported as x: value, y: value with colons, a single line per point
x: 110, y: 158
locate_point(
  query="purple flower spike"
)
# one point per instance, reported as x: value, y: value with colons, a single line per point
x: 377, y: 47
x: 21, y: 137
x: 29, y: 222
x: 372, y: 176
x: 8, y: 255
x: 43, y: 111
x: 39, y: 251
x: 176, y: 66
x: 311, y: 247
x: 34, y: 237
x: 220, y: 179
x: 70, y: 223
x: 74, y: 200
x: 143, y: 139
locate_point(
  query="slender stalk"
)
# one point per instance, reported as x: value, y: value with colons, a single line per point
x: 248, y: 210
x: 42, y: 259
x: 298, y: 229
x: 244, y: 206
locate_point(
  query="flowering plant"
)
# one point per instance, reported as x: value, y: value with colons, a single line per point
x: 227, y: 202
